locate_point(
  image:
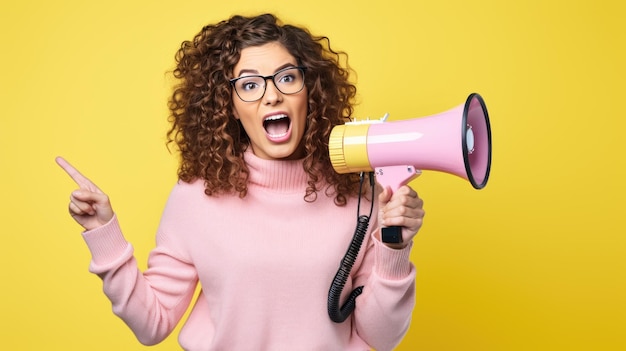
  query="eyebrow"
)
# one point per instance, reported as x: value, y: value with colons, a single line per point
x: 253, y: 71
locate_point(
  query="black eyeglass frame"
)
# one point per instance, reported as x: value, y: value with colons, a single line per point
x: 265, y: 78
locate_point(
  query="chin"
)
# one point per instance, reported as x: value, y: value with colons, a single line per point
x: 289, y: 153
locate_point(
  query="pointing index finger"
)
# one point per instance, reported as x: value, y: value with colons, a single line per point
x: 78, y: 178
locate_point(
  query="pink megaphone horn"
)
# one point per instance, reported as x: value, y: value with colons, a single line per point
x: 457, y: 141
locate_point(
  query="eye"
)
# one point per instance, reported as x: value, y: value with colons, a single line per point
x: 248, y: 84
x: 289, y: 76
x: 286, y: 78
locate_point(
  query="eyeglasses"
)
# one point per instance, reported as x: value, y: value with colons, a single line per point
x: 288, y: 81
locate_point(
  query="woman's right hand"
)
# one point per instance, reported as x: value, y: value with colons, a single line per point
x: 89, y: 206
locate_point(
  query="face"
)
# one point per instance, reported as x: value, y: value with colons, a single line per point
x: 276, y: 122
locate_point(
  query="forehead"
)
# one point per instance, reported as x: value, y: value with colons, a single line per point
x: 264, y: 59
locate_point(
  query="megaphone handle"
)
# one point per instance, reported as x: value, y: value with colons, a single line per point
x: 394, y: 177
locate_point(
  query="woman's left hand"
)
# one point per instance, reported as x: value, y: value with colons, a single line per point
x: 402, y: 208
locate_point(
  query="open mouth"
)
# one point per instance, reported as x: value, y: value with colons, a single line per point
x: 277, y: 125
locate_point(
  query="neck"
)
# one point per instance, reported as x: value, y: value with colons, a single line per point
x: 282, y: 176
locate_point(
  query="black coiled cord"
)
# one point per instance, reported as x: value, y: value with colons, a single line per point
x: 336, y: 313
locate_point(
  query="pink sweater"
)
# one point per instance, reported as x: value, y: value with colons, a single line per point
x: 265, y: 264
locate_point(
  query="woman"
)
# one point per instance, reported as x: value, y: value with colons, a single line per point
x: 259, y: 217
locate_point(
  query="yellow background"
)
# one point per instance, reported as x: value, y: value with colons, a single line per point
x: 535, y: 261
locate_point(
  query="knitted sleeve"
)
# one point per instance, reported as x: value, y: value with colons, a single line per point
x: 152, y: 302
x: 383, y: 311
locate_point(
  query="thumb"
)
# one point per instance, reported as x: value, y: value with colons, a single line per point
x: 90, y: 196
x: 385, y: 196
x: 91, y: 204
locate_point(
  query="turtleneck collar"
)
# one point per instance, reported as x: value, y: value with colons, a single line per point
x: 280, y: 176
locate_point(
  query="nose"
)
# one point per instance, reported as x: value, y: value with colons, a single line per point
x: 272, y: 94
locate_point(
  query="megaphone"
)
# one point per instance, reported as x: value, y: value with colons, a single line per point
x: 457, y: 141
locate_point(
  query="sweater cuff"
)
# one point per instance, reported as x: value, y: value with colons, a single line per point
x: 106, y: 243
x: 391, y: 263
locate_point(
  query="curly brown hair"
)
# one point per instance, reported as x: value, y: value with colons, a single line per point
x: 212, y: 142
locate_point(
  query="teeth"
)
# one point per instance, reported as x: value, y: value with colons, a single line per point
x: 278, y: 135
x: 276, y: 117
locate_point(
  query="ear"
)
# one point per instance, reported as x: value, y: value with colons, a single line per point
x: 235, y: 114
